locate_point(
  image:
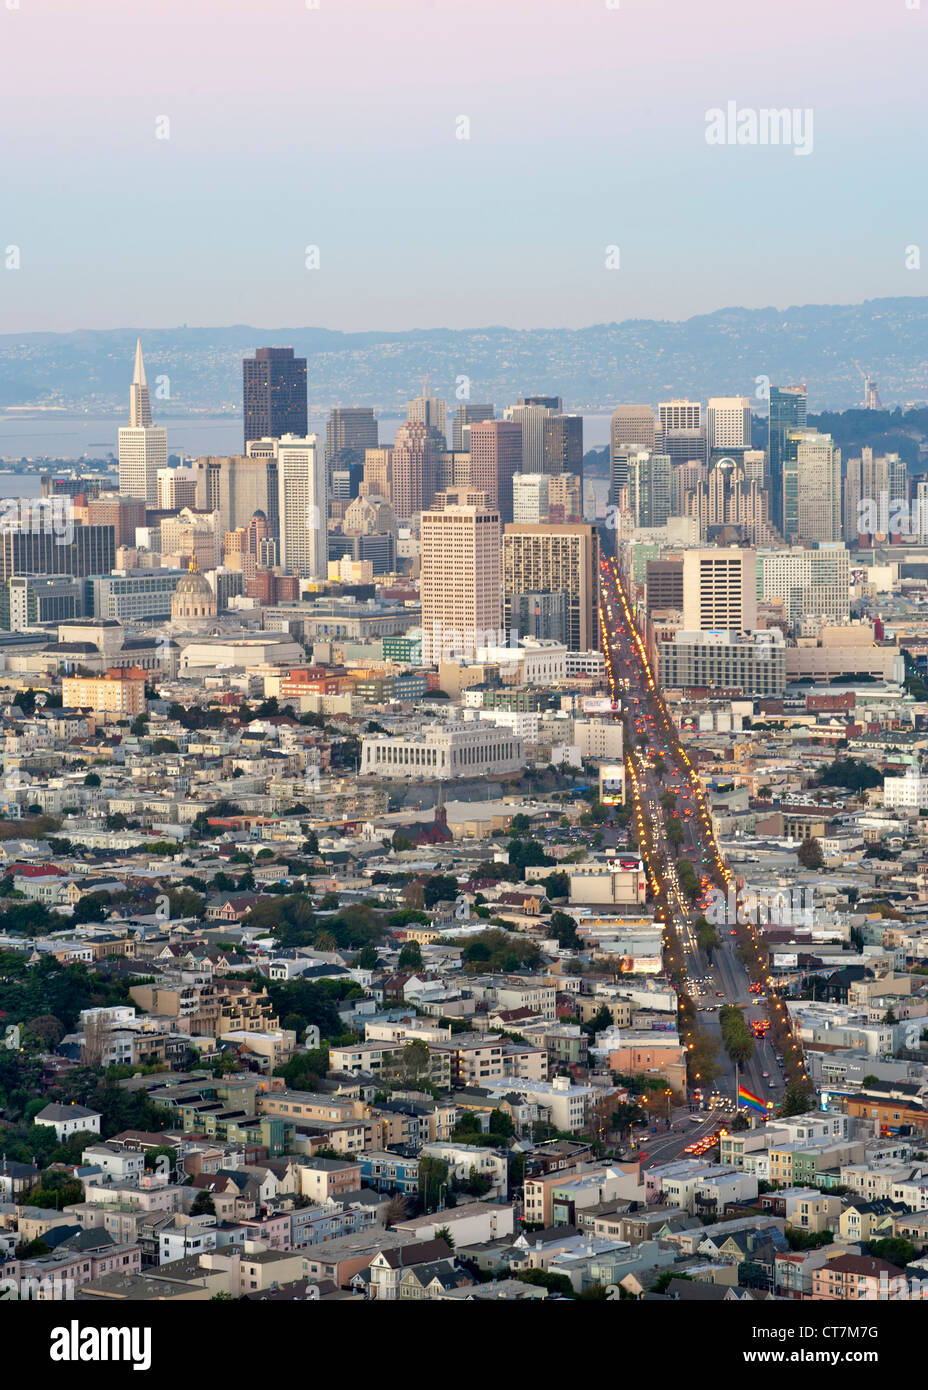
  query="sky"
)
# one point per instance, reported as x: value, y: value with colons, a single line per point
x: 170, y: 161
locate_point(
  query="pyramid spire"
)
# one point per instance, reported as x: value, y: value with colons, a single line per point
x: 139, y: 403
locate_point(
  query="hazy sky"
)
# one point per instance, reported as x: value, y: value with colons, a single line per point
x: 336, y: 127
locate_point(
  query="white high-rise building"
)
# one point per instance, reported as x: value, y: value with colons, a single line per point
x: 907, y: 793
x: 875, y: 497
x: 920, y: 513
x: 719, y: 590
x: 679, y: 415
x: 302, y: 505
x: 143, y: 447
x: 460, y: 581
x: 728, y: 422
x: 631, y: 431
x: 177, y: 487
x: 810, y: 583
x: 530, y: 498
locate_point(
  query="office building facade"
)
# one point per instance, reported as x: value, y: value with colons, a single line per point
x: 788, y: 406
x: 495, y: 458
x: 460, y: 580
x: 553, y: 559
x: 720, y: 590
x: 274, y: 394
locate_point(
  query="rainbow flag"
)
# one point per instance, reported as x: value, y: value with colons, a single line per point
x: 751, y: 1101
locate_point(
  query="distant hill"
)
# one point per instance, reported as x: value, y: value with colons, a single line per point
x: 724, y: 353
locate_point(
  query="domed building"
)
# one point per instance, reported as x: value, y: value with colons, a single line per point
x: 193, y: 603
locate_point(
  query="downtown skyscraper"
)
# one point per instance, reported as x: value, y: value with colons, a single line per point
x: 302, y: 506
x: 274, y: 394
x: 461, y: 579
x: 143, y: 446
x: 788, y: 406
x: 495, y: 457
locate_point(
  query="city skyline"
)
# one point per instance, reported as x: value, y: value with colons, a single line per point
x: 464, y: 790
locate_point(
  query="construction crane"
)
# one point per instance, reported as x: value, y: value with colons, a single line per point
x: 871, y: 399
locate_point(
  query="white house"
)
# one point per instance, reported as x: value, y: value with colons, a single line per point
x: 116, y: 1161
x: 66, y: 1120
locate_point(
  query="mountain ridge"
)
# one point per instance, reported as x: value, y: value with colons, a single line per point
x: 727, y: 352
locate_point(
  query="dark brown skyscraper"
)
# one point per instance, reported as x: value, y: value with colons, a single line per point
x: 274, y: 394
x: 563, y: 444
x: 348, y: 433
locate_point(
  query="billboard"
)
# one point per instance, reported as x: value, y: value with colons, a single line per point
x: 612, y: 785
x: 599, y: 704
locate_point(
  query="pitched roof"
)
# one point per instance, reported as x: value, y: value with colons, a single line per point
x: 420, y: 1252
x: 54, y: 1113
x: 864, y: 1266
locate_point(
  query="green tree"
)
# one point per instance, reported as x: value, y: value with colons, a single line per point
x: 601, y: 1020
x: 557, y: 885
x: 410, y: 956
x: 439, y: 888
x: 807, y: 1240
x: 203, y: 1204
x: 795, y: 1099
x: 543, y: 1278
x: 160, y: 1151
x: 433, y: 1176
x: 366, y: 959
x: 56, y: 1189
x: 736, y: 1036
x: 662, y: 1280
x: 809, y: 854
x: 48, y: 1029
x: 564, y: 931
x: 852, y: 773
x: 184, y: 902
x: 501, y: 1124
x: 896, y: 1249
x: 410, y: 1067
